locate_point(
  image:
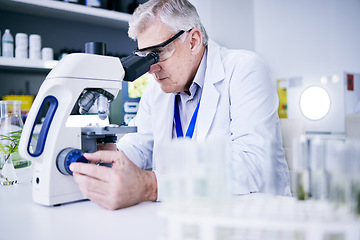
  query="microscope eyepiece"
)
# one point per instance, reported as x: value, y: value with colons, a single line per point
x: 153, y: 58
x: 98, y: 48
x: 135, y: 66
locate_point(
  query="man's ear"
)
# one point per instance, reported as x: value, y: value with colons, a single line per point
x: 195, y: 40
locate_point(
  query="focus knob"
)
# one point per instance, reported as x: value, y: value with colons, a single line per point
x: 68, y: 156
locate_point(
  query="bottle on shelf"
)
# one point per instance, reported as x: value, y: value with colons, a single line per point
x: 7, y: 44
x: 35, y: 46
x: 21, y: 45
x: 47, y: 54
x: 93, y: 3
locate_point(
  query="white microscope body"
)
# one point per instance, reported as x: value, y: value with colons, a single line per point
x: 60, y: 91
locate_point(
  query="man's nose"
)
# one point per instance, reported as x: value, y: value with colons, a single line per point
x: 154, y: 68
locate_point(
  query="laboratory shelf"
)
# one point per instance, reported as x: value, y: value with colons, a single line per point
x: 26, y: 64
x: 68, y: 11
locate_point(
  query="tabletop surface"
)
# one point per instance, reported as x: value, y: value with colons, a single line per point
x: 21, y: 218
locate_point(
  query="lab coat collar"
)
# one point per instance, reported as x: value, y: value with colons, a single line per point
x: 215, y: 67
x: 214, y: 73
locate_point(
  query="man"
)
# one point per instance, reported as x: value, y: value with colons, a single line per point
x: 225, y: 92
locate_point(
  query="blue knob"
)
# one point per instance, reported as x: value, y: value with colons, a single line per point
x: 68, y: 156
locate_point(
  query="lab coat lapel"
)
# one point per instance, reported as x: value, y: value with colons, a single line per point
x: 210, y: 95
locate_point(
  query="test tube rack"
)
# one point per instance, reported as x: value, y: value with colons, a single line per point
x: 261, y: 217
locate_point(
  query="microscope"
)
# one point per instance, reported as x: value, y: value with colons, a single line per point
x: 79, y: 80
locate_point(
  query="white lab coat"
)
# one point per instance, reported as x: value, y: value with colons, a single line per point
x: 239, y: 100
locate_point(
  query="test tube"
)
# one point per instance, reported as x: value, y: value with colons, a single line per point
x: 271, y: 178
x: 353, y: 154
x: 301, y: 181
x: 317, y: 169
x: 337, y: 166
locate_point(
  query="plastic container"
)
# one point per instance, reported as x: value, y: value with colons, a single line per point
x: 35, y: 46
x: 35, y: 42
x: 47, y: 54
x: 21, y: 41
x: 21, y: 53
x: 7, y: 44
x: 21, y: 45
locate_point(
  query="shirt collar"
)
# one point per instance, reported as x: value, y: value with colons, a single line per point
x: 199, y: 78
x: 200, y: 74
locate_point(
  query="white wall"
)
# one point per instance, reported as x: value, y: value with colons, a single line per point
x: 308, y: 37
x: 294, y: 37
x: 228, y: 22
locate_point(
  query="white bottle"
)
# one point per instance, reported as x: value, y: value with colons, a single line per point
x: 35, y: 46
x: 21, y: 45
x: 47, y: 54
x: 7, y: 44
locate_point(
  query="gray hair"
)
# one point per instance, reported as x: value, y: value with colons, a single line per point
x: 177, y: 15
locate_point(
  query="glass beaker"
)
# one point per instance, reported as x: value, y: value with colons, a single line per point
x: 10, y: 132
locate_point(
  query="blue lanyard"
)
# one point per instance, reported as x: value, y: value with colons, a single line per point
x: 178, y: 127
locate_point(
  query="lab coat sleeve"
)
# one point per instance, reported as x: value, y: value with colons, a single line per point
x: 138, y: 147
x: 254, y: 119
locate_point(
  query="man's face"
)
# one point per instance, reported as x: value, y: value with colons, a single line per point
x: 174, y: 74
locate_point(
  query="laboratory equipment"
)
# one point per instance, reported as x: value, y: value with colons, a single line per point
x: 301, y: 180
x: 195, y: 176
x: 318, y: 101
x: 82, y: 78
x: 194, y: 189
x: 10, y: 124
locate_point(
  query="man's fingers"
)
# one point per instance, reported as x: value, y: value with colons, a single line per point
x: 98, y: 172
x: 102, y: 156
x: 93, y: 189
x: 88, y: 184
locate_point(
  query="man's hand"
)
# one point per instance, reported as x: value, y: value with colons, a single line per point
x: 121, y: 186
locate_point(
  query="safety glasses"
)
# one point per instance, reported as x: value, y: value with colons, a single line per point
x: 164, y: 50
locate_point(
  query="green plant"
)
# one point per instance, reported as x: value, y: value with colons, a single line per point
x: 12, y: 140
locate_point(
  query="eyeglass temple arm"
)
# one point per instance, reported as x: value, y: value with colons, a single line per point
x: 162, y: 44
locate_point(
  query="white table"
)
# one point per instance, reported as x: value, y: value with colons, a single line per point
x: 22, y: 219
x: 254, y: 214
